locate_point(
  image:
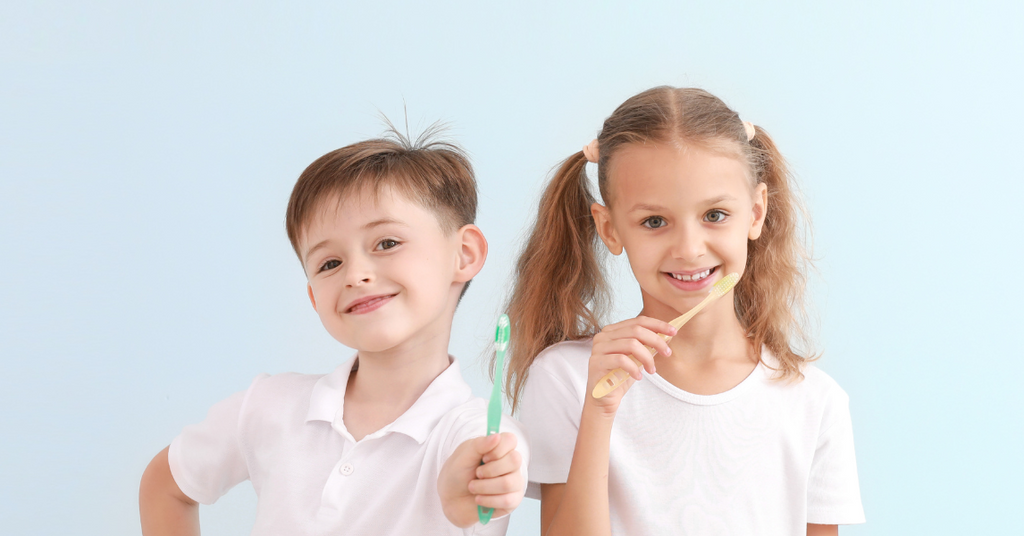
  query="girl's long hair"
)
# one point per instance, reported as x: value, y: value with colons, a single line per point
x: 560, y: 291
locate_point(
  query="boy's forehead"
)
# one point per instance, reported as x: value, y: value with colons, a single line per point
x: 363, y: 209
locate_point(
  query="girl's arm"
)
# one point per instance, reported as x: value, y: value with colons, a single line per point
x: 580, y: 506
x: 822, y: 530
x: 164, y: 509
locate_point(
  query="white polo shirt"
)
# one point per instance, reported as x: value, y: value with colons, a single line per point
x: 765, y: 457
x: 286, y: 434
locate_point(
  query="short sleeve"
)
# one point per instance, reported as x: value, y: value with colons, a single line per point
x: 550, y: 410
x: 833, y: 490
x: 206, y: 459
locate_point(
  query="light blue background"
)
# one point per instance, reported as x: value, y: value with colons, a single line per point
x: 147, y: 153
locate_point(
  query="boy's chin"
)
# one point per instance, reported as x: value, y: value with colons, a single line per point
x: 370, y: 342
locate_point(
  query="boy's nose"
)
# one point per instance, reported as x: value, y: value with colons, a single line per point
x: 359, y: 273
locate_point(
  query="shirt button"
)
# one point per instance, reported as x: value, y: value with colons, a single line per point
x: 346, y: 469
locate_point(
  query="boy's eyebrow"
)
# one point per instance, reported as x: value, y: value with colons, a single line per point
x: 382, y: 221
x: 319, y: 245
x: 372, y: 224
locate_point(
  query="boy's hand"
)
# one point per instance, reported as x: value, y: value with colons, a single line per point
x: 498, y: 483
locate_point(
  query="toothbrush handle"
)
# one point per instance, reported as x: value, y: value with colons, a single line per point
x: 612, y: 380
x: 484, y: 514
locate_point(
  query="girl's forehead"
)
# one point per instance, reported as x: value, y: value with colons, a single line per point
x: 673, y: 172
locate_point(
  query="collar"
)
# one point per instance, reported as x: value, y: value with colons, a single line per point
x: 448, y: 390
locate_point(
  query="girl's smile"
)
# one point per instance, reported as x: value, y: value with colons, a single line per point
x: 694, y: 279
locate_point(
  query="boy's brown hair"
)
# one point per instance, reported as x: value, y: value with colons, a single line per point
x: 430, y: 171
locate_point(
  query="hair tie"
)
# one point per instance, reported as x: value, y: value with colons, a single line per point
x: 590, y: 151
x: 749, y: 127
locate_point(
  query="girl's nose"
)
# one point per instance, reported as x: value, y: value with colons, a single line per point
x: 689, y: 243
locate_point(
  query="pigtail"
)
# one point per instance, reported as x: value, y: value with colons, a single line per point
x: 769, y: 299
x: 559, y: 292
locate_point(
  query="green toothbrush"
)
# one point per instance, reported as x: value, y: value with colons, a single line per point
x: 501, y: 337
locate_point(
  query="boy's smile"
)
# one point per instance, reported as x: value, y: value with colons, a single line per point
x: 382, y: 273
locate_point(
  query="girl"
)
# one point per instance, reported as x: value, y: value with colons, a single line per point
x: 727, y: 428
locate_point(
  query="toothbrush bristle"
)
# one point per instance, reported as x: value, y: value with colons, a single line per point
x: 502, y: 333
x: 723, y: 287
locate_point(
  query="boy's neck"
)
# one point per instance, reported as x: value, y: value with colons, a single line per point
x: 387, y: 383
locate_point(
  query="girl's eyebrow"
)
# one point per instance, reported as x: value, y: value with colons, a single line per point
x: 719, y: 199
x: 659, y: 208
x: 646, y: 207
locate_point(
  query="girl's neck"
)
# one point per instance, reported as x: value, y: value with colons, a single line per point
x: 711, y: 353
x: 713, y: 334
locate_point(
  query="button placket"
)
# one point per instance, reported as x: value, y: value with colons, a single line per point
x: 346, y: 469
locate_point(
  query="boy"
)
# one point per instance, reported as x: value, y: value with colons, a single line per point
x: 389, y: 442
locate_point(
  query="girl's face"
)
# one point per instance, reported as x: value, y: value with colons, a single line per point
x: 683, y: 215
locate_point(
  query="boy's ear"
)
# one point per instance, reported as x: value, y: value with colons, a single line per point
x: 312, y: 299
x: 760, y: 211
x: 471, y: 254
x: 603, y: 221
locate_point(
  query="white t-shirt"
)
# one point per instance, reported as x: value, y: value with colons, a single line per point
x: 286, y: 434
x: 765, y: 457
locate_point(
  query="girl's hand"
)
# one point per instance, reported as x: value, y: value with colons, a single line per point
x: 612, y: 350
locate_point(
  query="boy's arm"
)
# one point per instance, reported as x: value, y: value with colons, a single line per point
x: 463, y: 483
x: 163, y: 508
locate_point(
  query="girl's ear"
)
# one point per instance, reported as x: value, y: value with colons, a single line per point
x: 760, y: 210
x: 472, y: 253
x: 603, y: 221
x: 312, y: 299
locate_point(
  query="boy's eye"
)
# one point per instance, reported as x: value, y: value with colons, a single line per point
x: 714, y: 216
x: 330, y: 265
x: 387, y: 243
x: 654, y: 222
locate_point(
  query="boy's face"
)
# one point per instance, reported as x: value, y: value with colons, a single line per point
x: 382, y: 274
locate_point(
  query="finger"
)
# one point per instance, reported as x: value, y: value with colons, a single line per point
x: 484, y: 444
x: 652, y: 324
x: 641, y: 333
x: 508, y: 463
x: 502, y: 503
x: 629, y: 347
x: 506, y: 443
x: 507, y: 483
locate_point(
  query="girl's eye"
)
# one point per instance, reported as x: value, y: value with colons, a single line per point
x: 387, y: 243
x: 714, y: 216
x: 330, y: 265
x: 654, y: 222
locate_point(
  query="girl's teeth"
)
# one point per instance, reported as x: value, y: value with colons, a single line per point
x: 694, y: 277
